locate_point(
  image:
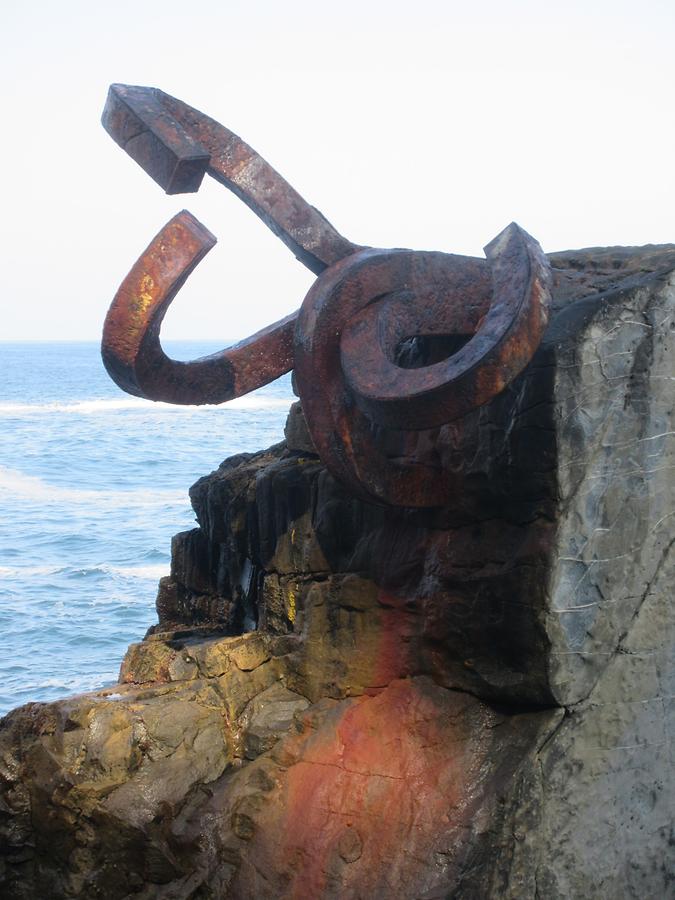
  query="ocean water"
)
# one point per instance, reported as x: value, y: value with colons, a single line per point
x: 93, y: 484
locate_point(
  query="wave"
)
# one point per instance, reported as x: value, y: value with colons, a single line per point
x: 18, y: 485
x: 158, y: 570
x: 95, y: 407
x: 74, y: 684
x: 27, y: 571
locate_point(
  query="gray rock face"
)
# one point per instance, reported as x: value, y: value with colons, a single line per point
x: 345, y: 701
x: 615, y: 441
x: 268, y: 717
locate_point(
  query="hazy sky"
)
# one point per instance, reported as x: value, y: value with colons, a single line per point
x: 423, y: 124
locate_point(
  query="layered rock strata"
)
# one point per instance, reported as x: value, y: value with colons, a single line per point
x: 346, y: 701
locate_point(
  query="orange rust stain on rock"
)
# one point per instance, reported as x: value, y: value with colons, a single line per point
x: 378, y: 777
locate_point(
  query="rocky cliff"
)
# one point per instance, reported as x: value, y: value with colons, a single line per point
x: 346, y: 701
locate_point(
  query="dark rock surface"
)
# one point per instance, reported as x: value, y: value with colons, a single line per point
x: 344, y: 701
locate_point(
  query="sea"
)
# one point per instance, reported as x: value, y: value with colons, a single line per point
x: 93, y: 484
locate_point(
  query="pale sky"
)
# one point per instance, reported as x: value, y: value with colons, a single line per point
x: 422, y: 124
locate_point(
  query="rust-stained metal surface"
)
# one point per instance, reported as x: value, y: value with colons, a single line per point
x: 360, y: 401
x: 341, y: 354
x: 131, y: 348
x: 156, y: 130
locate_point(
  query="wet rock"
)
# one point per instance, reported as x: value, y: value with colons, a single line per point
x: 296, y: 432
x: 268, y: 717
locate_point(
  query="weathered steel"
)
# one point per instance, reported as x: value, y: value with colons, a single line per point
x: 345, y: 342
x: 176, y: 144
x: 147, y: 124
x: 138, y: 121
x: 131, y: 348
x: 340, y: 359
x: 501, y: 305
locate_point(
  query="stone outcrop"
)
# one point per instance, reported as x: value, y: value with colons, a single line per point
x: 345, y: 701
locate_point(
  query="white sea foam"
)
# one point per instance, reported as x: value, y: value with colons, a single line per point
x: 17, y: 485
x: 75, y: 684
x: 133, y: 404
x: 156, y: 570
x: 27, y: 571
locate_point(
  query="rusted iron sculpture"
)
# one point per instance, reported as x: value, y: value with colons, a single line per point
x: 364, y: 410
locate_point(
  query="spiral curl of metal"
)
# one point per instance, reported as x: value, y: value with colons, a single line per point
x: 344, y: 342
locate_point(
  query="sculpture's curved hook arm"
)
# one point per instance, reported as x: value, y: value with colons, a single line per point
x: 131, y: 350
x: 177, y: 145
